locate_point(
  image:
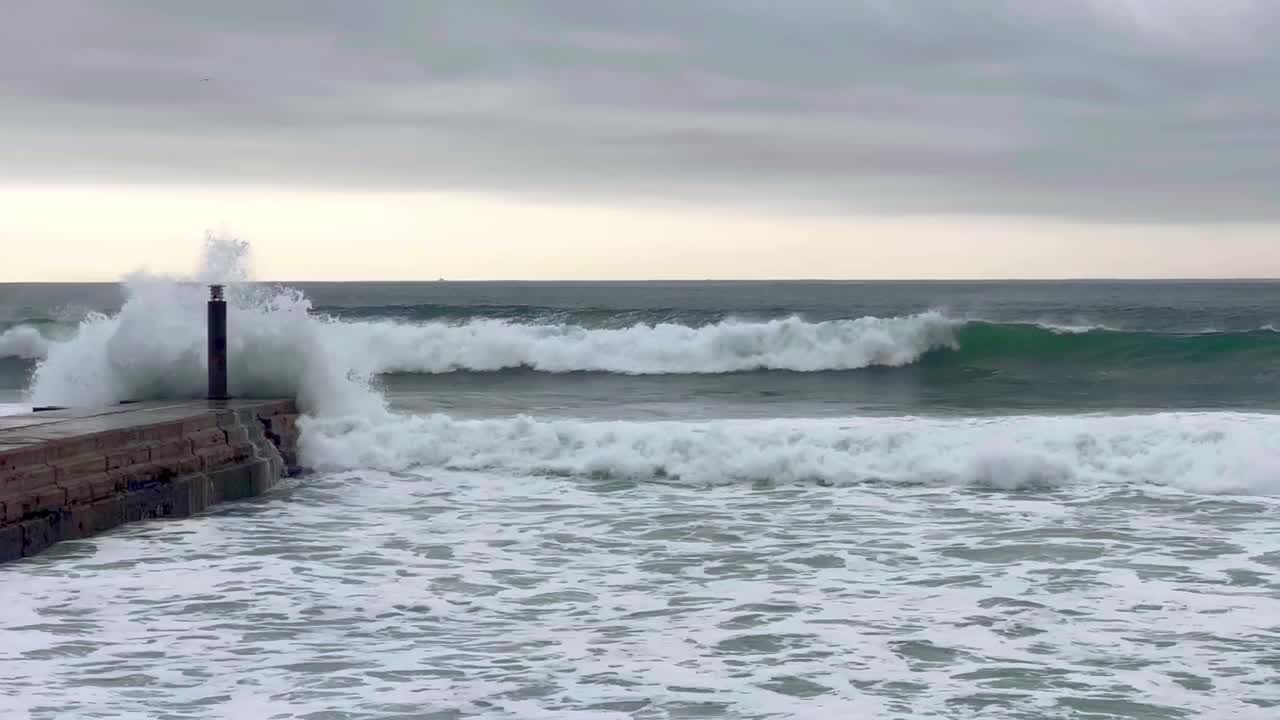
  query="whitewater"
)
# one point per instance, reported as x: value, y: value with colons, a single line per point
x: 676, y: 500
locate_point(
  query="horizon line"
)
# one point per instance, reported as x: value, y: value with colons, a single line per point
x: 815, y: 280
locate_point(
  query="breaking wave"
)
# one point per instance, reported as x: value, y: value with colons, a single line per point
x: 155, y: 346
x: 659, y: 349
x: 372, y: 347
x: 1199, y: 452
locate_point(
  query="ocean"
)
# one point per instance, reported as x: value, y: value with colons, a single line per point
x: 679, y: 500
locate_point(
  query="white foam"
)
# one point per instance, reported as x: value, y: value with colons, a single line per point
x: 729, y: 346
x: 13, y: 409
x: 155, y: 347
x: 1200, y: 452
x: 23, y: 342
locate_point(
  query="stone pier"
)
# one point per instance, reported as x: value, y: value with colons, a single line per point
x: 72, y: 473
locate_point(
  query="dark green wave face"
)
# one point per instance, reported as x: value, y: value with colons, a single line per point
x: 983, y: 344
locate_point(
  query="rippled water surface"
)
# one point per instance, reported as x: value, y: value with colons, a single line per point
x: 446, y: 595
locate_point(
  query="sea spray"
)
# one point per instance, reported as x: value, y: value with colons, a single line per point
x: 154, y: 347
x: 1199, y: 452
x: 24, y: 343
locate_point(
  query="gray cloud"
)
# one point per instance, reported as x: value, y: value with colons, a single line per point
x: 1094, y: 109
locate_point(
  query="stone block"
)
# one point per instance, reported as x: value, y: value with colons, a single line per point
x: 79, y: 491
x: 13, y: 510
x: 198, y: 493
x: 114, y: 439
x: 181, y: 505
x: 212, y: 458
x: 151, y: 502
x: 38, y: 534
x: 137, y: 454
x: 169, y: 449
x: 172, y: 464
x: 47, y: 499
x: 160, y: 432
x: 67, y: 448
x: 207, y: 438
x: 10, y: 542
x: 104, y: 485
x: 243, y: 451
x: 140, y: 476
x: 77, y: 523
x: 107, y: 514
x: 26, y: 480
x: 79, y: 466
x: 23, y: 456
x: 122, y: 457
x: 234, y: 482
x: 236, y: 434
x: 265, y: 474
x: 193, y: 425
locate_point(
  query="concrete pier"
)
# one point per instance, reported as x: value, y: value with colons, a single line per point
x: 72, y: 473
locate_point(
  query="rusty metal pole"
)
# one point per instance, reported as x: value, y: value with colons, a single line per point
x: 217, y: 344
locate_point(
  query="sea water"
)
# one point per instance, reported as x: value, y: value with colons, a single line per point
x: 660, y: 500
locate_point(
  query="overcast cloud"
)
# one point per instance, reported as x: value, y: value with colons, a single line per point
x: 1106, y: 109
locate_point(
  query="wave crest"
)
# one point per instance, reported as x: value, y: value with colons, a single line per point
x: 725, y: 347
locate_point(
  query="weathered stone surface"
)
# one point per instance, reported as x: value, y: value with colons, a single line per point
x: 189, y: 464
x: 160, y: 431
x: 38, y: 534
x: 194, y: 425
x: 78, y: 491
x: 102, y: 486
x: 79, y: 466
x: 77, y: 523
x: 71, y: 473
x: 116, y: 438
x: 26, y: 479
x: 207, y: 438
x: 107, y: 514
x: 169, y: 449
x: 20, y: 456
x: 212, y: 458
x: 75, y: 447
x: 10, y: 541
x: 46, y: 499
x: 243, y: 451
x: 127, y: 456
x: 237, y: 434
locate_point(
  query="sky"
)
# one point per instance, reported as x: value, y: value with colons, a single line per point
x: 558, y: 139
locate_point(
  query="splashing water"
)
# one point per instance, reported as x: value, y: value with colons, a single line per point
x: 23, y: 342
x: 155, y: 347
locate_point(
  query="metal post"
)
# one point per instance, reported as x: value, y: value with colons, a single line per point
x: 217, y: 344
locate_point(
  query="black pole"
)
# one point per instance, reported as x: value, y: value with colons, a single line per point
x: 217, y: 344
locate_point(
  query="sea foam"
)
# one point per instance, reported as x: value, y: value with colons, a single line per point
x: 1199, y: 452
